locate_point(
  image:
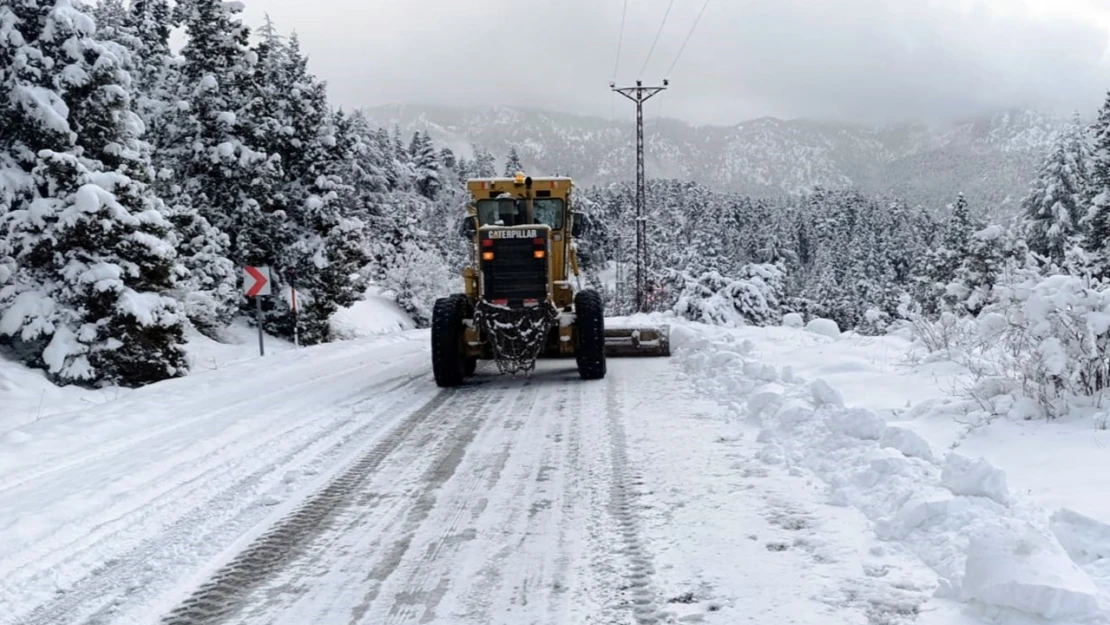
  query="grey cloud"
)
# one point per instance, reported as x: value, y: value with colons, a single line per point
x: 864, y: 60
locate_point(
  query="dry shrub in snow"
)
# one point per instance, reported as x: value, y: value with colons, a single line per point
x: 1046, y: 338
x: 1052, y: 335
x: 950, y: 333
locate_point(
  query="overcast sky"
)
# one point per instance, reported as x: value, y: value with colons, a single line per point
x: 850, y: 60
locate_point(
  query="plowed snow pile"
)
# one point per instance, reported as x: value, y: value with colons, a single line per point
x: 991, y: 545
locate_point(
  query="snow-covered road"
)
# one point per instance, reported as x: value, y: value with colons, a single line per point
x: 337, y: 484
x: 333, y: 485
x: 480, y: 507
x: 106, y: 509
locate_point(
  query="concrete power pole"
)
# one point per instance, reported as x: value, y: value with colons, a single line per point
x: 640, y: 94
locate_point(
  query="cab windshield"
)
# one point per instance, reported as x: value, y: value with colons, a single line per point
x: 514, y: 212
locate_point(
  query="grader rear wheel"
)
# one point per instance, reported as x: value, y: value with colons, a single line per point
x: 449, y: 362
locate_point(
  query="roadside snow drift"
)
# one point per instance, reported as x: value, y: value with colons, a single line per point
x: 987, y: 545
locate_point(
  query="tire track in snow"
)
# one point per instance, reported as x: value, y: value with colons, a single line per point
x: 368, y: 533
x: 418, y: 513
x: 406, y: 580
x: 416, y: 547
x: 571, y: 514
x: 226, y: 591
x: 428, y: 580
x: 641, y: 598
x: 525, y: 576
x: 102, y: 593
x: 172, y: 489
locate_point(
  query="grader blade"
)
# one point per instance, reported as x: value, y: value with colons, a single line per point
x: 637, y: 342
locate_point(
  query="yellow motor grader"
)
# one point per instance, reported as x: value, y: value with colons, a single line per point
x: 519, y: 303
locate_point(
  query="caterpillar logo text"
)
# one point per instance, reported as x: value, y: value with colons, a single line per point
x: 513, y: 234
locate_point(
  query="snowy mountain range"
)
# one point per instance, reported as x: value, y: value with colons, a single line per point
x: 991, y: 159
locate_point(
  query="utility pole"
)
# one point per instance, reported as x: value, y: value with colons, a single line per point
x: 640, y: 94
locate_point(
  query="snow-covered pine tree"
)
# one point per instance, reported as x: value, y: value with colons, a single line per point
x: 366, y: 169
x: 207, y: 277
x: 827, y: 298
x: 1057, y: 203
x: 213, y: 147
x: 150, y: 21
x: 447, y: 158
x: 402, y: 174
x: 383, y: 146
x: 327, y: 242
x: 425, y: 164
x: 770, y: 240
x: 484, y: 165
x: 830, y: 286
x: 970, y: 290
x: 945, y: 259
x: 414, y: 145
x: 144, y: 29
x: 881, y: 263
x: 464, y: 168
x: 405, y: 258
x: 155, y: 79
x: 89, y: 260
x: 958, y: 231
x: 110, y: 16
x: 512, y: 163
x: 871, y: 282
x: 1097, y: 240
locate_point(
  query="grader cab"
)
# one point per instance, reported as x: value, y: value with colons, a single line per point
x: 519, y: 303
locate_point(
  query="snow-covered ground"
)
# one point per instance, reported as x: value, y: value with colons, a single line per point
x: 28, y: 396
x: 769, y: 475
x: 1012, y: 515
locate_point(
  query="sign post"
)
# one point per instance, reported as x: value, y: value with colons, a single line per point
x: 256, y: 284
x: 293, y: 302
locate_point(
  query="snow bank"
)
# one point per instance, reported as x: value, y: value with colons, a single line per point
x: 1028, y: 571
x: 792, y: 320
x: 964, y: 476
x: 26, y: 395
x: 906, y: 441
x: 825, y: 395
x: 987, y: 546
x: 373, y: 316
x: 1084, y: 538
x: 824, y: 327
x: 858, y: 423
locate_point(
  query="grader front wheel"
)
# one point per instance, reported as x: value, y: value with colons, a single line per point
x: 590, y: 314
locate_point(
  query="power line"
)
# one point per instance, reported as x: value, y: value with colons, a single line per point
x: 657, y: 33
x: 687, y: 40
x: 620, y: 40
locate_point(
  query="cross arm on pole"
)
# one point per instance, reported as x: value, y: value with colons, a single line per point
x: 638, y: 94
